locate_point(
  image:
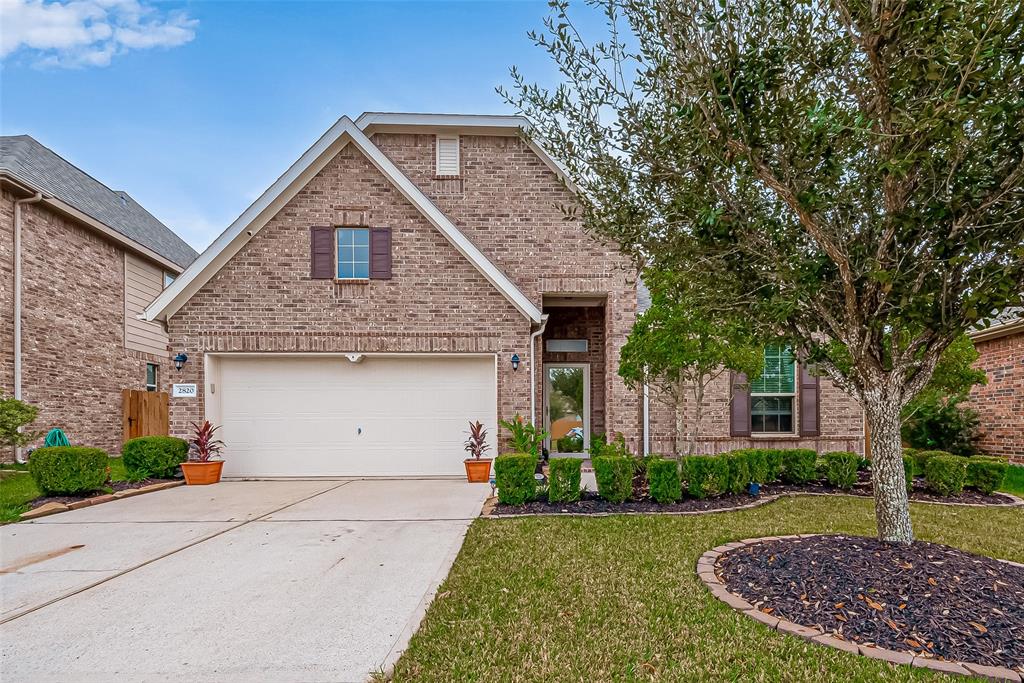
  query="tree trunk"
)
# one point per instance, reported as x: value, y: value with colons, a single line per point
x: 892, y: 510
x: 680, y: 415
x: 698, y: 395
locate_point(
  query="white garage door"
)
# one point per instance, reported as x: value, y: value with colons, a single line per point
x: 327, y: 416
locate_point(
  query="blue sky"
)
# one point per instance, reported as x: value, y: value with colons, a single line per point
x: 195, y: 108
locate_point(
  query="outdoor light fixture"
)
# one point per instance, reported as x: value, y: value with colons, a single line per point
x: 179, y: 361
x: 515, y: 362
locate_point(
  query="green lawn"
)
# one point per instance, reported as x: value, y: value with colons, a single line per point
x: 617, y: 598
x: 1014, y: 481
x: 16, y: 490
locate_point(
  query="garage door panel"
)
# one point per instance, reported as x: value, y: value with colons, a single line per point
x: 326, y: 416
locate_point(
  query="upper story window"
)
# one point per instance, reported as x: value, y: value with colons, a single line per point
x: 447, y: 155
x: 353, y: 253
x: 772, y: 394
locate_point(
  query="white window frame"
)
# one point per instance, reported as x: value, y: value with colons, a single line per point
x: 792, y: 396
x: 155, y: 386
x: 337, y: 253
x: 447, y: 172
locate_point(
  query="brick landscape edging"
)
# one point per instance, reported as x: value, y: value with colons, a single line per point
x: 761, y: 500
x: 706, y: 570
x: 47, y: 509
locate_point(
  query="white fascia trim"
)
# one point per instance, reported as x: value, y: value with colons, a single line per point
x: 284, y: 188
x: 478, y: 124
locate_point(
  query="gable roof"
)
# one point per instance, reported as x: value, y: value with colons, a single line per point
x: 259, y: 213
x: 36, y: 166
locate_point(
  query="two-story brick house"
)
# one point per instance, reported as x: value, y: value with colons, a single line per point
x: 78, y: 264
x: 408, y: 274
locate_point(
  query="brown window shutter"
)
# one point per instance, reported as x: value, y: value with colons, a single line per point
x: 810, y: 387
x: 739, y: 406
x: 321, y: 252
x: 380, y: 253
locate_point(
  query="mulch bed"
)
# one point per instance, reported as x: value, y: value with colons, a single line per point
x: 928, y: 599
x: 590, y: 503
x: 112, y: 487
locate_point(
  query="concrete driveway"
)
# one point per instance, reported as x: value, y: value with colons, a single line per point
x: 242, y: 581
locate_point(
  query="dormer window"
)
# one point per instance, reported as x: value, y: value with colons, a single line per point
x: 447, y: 155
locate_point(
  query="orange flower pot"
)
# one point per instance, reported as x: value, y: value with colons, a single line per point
x: 478, y: 471
x: 199, y: 473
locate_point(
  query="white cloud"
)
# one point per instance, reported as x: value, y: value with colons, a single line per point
x: 82, y: 33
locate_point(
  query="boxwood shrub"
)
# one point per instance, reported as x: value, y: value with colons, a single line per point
x: 757, y: 462
x: 921, y: 458
x: 614, y: 474
x: 663, y: 479
x: 986, y: 474
x: 946, y: 474
x: 706, y: 475
x: 799, y: 465
x: 738, y: 477
x: 564, y: 479
x: 908, y: 471
x: 841, y: 468
x: 69, y: 470
x: 773, y: 464
x: 154, y: 456
x: 513, y: 475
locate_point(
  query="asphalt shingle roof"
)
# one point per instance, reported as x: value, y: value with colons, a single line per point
x: 26, y: 159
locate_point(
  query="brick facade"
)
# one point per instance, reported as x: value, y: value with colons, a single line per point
x: 841, y: 426
x: 74, y: 363
x: 1000, y: 403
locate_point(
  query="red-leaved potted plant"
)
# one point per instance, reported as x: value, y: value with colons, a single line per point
x: 201, y: 468
x: 478, y: 468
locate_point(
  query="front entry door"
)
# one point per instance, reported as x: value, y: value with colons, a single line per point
x: 567, y: 407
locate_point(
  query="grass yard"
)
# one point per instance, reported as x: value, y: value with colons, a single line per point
x: 1014, y: 481
x: 618, y: 599
x: 17, y: 488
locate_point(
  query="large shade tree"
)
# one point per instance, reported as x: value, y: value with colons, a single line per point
x: 850, y: 172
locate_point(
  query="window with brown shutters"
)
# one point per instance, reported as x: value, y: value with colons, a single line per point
x: 739, y: 405
x: 810, y: 404
x: 380, y: 253
x: 321, y: 252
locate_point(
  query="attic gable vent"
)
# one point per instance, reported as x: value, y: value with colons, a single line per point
x: 447, y: 155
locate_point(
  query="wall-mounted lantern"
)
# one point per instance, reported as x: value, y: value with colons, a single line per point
x: 515, y: 362
x: 179, y: 361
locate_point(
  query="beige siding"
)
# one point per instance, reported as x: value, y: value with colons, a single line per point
x: 142, y: 283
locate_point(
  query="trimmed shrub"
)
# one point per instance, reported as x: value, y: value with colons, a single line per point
x: 908, y: 471
x: 513, y: 475
x: 706, y: 475
x: 564, y: 479
x: 773, y: 464
x: 922, y: 457
x: 841, y: 468
x: 663, y: 478
x: 154, y: 456
x: 614, y: 474
x: 757, y: 463
x: 986, y: 474
x: 738, y: 477
x: 69, y: 469
x: 946, y: 474
x: 799, y: 465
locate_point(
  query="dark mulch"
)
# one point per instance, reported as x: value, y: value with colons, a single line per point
x: 863, y: 488
x: 112, y: 487
x: 924, y: 598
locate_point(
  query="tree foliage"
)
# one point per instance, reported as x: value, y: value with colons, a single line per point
x: 680, y: 345
x: 850, y: 173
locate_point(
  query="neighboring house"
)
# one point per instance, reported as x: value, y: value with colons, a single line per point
x: 1000, y: 403
x: 81, y: 261
x: 408, y: 274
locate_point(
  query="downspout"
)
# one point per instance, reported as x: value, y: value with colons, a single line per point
x: 18, y: 455
x: 647, y: 420
x: 533, y: 373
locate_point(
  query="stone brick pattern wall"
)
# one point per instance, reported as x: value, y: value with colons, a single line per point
x: 74, y: 364
x: 1000, y: 403
x: 506, y: 202
x: 841, y: 425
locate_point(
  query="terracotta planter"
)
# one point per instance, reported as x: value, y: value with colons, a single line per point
x: 198, y: 473
x: 478, y: 471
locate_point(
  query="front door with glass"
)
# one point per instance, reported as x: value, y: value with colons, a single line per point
x: 567, y: 407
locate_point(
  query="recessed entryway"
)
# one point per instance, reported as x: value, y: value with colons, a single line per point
x: 567, y: 406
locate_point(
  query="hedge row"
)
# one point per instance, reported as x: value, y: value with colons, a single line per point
x: 946, y: 474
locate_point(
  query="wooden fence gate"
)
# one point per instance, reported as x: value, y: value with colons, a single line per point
x: 144, y: 413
